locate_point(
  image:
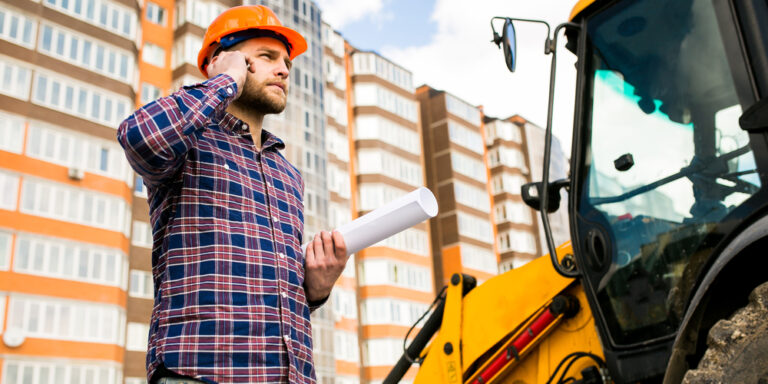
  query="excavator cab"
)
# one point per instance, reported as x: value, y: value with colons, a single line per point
x: 663, y: 176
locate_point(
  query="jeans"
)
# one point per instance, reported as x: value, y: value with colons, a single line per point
x: 178, y: 380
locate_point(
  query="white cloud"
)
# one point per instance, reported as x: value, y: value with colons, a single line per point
x: 461, y: 60
x: 339, y: 13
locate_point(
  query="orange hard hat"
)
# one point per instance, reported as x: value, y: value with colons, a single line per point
x: 247, y: 17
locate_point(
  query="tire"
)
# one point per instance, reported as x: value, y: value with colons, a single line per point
x: 737, y: 347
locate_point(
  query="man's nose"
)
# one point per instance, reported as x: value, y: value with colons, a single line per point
x: 282, y: 69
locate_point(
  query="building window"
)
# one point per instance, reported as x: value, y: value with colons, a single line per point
x: 9, y: 187
x: 142, y: 234
x: 5, y: 258
x: 153, y: 54
x: 149, y: 93
x: 468, y: 166
x: 471, y: 196
x: 465, y: 137
x: 155, y: 13
x: 15, y: 79
x: 110, y: 61
x: 56, y: 371
x: 17, y: 28
x: 141, y: 284
x: 51, y: 318
x: 69, y: 260
x: 111, y: 16
x: 475, y: 227
x: 74, y: 205
x: 137, y: 337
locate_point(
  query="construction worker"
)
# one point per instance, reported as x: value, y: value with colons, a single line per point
x: 233, y: 291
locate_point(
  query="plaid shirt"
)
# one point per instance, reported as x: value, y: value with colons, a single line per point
x: 227, y: 225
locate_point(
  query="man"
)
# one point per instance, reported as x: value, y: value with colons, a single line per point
x: 233, y: 291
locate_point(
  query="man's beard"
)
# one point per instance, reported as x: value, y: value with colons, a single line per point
x: 256, y: 98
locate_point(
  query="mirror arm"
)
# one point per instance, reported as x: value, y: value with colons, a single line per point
x: 552, y: 47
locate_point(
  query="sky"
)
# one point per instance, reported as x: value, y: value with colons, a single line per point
x: 447, y: 45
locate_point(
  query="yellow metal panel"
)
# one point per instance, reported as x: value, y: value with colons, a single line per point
x: 493, y: 309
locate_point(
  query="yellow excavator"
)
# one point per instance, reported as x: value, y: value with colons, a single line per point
x: 666, y: 278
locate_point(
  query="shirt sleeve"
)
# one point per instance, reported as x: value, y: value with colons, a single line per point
x: 157, y: 136
x: 313, y: 305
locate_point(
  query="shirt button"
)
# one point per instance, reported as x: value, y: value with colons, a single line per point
x: 284, y: 295
x: 274, y: 218
x: 282, y: 255
x: 226, y: 166
x: 287, y: 338
x: 229, y: 90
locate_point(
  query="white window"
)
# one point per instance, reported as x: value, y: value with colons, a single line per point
x: 382, y: 352
x: 336, y: 108
x: 153, y: 54
x: 463, y: 110
x: 2, y: 311
x: 64, y: 147
x: 95, y: 104
x: 11, y: 133
x: 373, y: 196
x: 513, y: 212
x: 155, y: 13
x: 378, y: 161
x: 344, y: 302
x: 15, y: 80
x: 337, y: 144
x: 51, y: 318
x: 76, y: 205
x: 17, y: 27
x: 64, y: 259
x: 518, y: 241
x: 345, y: 346
x: 378, y: 96
x: 465, y: 137
x: 469, y: 167
x: 504, y: 130
x: 106, y: 14
x: 338, y: 180
x: 135, y: 380
x: 471, y: 196
x: 141, y: 284
x: 510, y: 157
x: 149, y: 93
x: 137, y: 338
x: 477, y: 258
x: 509, y: 183
x: 5, y: 256
x: 390, y: 272
x: 9, y: 191
x: 198, y: 12
x: 475, y: 227
x: 37, y: 371
x: 411, y: 240
x: 185, y: 50
x: 338, y: 214
x: 391, y: 311
x: 370, y: 63
x: 89, y: 53
x: 372, y: 127
x: 142, y: 234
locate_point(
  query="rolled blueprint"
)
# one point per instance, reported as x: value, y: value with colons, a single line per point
x: 387, y: 220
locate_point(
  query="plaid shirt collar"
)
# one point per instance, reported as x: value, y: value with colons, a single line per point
x: 231, y: 123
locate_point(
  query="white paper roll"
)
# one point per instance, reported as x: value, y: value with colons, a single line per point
x: 387, y: 220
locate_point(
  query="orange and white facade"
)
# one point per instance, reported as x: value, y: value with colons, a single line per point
x: 69, y: 70
x: 463, y: 232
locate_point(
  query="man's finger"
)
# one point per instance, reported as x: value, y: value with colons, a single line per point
x: 340, y: 246
x: 327, y: 244
x: 317, y: 243
x: 309, y: 256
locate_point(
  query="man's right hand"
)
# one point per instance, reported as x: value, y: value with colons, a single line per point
x: 234, y: 64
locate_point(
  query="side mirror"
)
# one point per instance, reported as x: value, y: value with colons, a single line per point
x: 509, y: 42
x: 532, y: 194
x: 755, y: 118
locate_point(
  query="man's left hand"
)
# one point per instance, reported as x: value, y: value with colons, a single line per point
x: 325, y: 260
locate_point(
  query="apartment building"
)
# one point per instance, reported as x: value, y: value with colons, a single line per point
x: 462, y: 235
x: 516, y: 224
x: 68, y: 73
x: 558, y: 169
